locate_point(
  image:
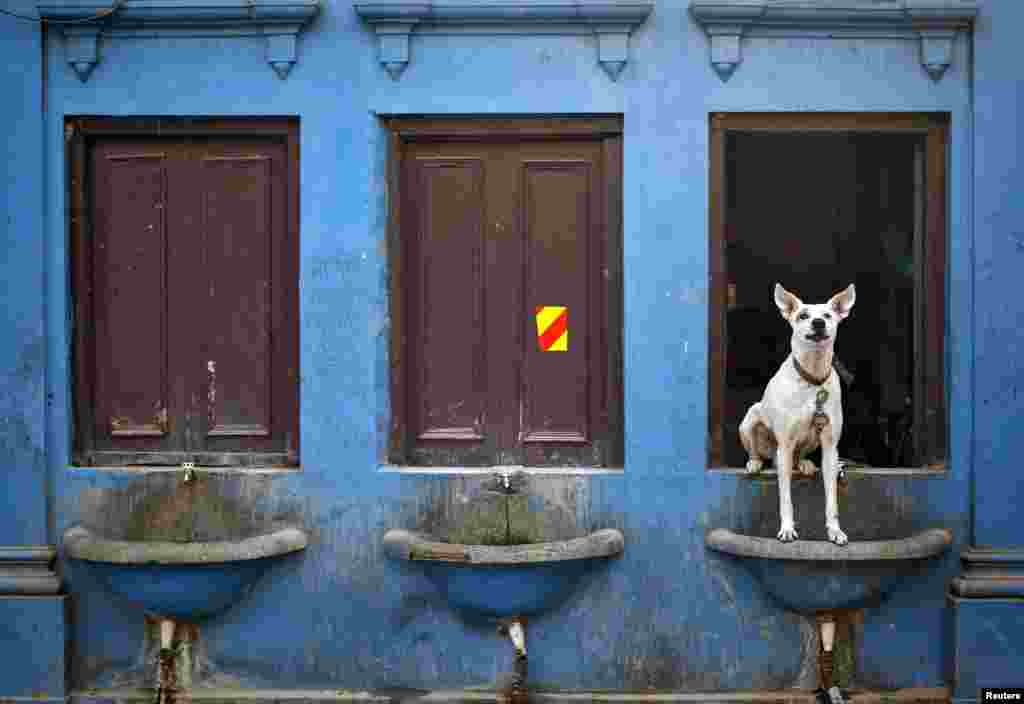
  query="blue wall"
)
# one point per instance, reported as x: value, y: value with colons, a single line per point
x: 988, y: 648
x: 665, y: 615
x: 32, y: 631
x: 23, y: 352
x: 999, y: 252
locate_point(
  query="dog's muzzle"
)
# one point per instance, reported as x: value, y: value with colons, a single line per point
x: 817, y: 330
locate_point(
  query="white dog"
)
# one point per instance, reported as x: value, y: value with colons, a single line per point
x: 802, y: 407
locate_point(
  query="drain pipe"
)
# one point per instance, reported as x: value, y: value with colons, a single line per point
x: 827, y: 692
x: 515, y: 629
x: 517, y: 634
x: 165, y: 675
x: 827, y: 629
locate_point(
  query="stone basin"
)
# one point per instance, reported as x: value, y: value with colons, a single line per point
x: 504, y: 581
x: 814, y: 575
x: 187, y: 580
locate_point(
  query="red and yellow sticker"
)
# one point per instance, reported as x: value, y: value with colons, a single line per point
x: 553, y: 328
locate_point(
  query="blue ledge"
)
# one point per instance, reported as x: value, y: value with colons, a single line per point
x: 933, y: 22
x: 28, y: 571
x: 279, y: 21
x: 612, y: 21
x: 990, y: 573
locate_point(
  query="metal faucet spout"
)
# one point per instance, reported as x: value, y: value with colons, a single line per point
x: 517, y: 634
x: 508, y: 481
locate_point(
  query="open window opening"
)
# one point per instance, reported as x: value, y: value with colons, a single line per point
x: 816, y: 203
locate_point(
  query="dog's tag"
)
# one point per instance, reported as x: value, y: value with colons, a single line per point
x: 820, y: 419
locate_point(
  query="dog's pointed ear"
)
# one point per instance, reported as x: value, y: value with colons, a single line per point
x: 843, y: 301
x: 786, y: 301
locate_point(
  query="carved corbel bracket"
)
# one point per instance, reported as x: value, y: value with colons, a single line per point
x: 82, y: 49
x: 726, y: 48
x: 611, y: 22
x: 612, y: 48
x: 393, y: 45
x: 725, y: 23
x: 282, y: 43
x: 937, y: 51
x: 278, y: 21
x: 934, y: 23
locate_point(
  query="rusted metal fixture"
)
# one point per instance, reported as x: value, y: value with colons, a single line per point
x: 508, y: 482
x: 516, y: 632
x: 515, y: 629
x: 175, y: 658
x: 166, y: 680
x: 827, y: 630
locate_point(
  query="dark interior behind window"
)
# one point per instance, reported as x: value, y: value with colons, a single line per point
x: 816, y: 210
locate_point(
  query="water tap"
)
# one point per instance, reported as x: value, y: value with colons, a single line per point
x: 189, y: 468
x: 509, y: 482
x: 516, y: 632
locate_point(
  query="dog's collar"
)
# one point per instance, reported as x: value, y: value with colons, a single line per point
x: 806, y: 375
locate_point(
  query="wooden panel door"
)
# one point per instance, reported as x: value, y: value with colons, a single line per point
x: 447, y: 286
x: 492, y: 230
x: 191, y: 279
x: 130, y: 289
x: 241, y: 215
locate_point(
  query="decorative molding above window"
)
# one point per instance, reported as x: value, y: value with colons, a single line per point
x: 611, y: 21
x: 932, y: 22
x: 278, y: 21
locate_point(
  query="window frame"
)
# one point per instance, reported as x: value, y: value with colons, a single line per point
x: 930, y: 379
x: 405, y: 130
x: 78, y: 133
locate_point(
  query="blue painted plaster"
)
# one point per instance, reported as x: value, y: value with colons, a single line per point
x: 23, y: 352
x: 989, y: 648
x: 999, y: 252
x: 33, y: 648
x: 32, y: 628
x: 664, y: 615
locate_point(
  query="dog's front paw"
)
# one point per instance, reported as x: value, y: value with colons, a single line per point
x: 807, y: 468
x: 787, y: 533
x: 754, y: 465
x: 836, y: 535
